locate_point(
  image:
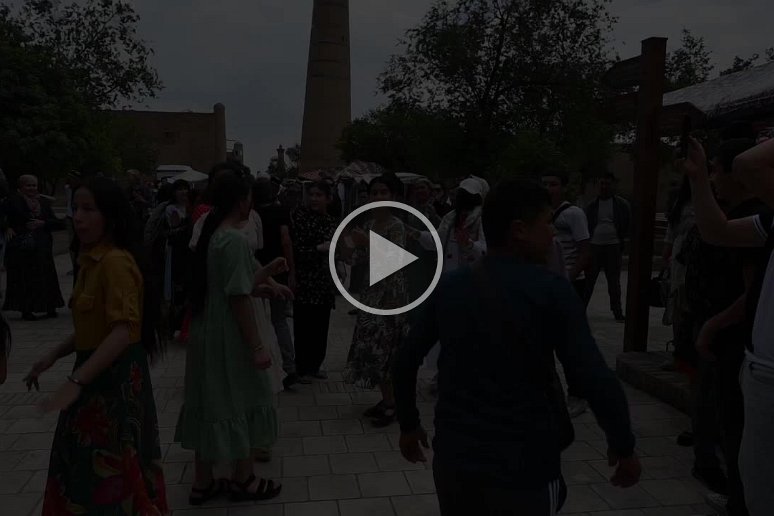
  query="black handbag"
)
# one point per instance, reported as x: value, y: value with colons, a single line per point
x: 658, y: 289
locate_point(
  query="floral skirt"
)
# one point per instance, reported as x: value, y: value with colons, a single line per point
x: 374, y: 342
x: 106, y: 454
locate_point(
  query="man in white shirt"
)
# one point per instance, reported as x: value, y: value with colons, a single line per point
x: 572, y: 236
x: 572, y: 232
x: 608, y: 217
x: 755, y: 169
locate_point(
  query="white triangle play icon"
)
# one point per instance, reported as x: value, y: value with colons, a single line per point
x: 385, y: 258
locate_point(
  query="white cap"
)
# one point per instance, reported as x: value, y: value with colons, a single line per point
x: 475, y: 185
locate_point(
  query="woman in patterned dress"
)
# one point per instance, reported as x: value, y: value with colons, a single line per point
x: 312, y: 230
x: 105, y: 458
x: 377, y: 337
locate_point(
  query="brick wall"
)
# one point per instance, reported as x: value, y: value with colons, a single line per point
x: 194, y: 139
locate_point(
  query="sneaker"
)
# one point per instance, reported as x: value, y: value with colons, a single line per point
x: 576, y: 406
x: 717, y: 502
x: 713, y: 479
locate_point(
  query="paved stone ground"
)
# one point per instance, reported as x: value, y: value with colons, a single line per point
x: 331, y: 461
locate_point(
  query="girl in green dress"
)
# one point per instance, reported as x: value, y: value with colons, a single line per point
x: 229, y: 407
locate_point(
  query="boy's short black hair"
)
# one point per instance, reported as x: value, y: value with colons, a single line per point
x: 730, y: 149
x: 508, y: 201
x: 562, y: 175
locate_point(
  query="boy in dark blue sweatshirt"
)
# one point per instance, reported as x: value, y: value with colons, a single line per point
x: 500, y: 422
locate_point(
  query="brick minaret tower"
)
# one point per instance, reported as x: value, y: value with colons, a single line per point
x: 328, y: 105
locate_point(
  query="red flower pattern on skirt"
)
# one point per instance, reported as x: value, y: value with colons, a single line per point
x: 92, y: 424
x: 135, y: 378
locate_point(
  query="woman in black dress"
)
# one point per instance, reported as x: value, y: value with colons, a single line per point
x: 33, y: 283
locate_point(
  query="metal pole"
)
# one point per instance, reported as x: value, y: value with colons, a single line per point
x: 646, y: 170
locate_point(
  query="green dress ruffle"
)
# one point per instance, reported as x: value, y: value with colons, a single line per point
x: 229, y: 407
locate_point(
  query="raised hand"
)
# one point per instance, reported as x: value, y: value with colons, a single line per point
x: 695, y: 164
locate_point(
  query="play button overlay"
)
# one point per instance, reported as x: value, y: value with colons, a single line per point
x: 386, y: 258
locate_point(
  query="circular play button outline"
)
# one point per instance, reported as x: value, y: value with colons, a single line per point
x: 332, y: 258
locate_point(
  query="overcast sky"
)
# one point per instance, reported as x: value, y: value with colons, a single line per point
x: 251, y: 54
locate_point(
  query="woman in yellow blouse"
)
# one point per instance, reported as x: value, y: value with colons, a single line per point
x: 105, y: 458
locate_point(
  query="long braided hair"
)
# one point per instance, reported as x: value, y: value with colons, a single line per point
x: 226, y: 191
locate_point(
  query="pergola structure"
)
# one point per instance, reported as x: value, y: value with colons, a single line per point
x: 747, y: 95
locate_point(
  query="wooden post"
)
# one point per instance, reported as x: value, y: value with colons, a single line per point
x: 646, y: 170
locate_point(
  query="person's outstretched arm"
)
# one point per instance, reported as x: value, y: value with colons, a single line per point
x: 713, y: 225
x: 755, y: 168
x: 595, y: 381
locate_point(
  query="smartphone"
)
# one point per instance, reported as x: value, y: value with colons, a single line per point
x: 684, y: 136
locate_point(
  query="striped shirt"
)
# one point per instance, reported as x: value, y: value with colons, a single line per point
x: 572, y: 228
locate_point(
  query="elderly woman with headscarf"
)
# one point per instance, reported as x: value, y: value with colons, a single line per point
x: 33, y: 283
x: 462, y: 237
x: 460, y: 231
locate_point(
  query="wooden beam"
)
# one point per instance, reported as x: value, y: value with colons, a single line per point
x: 646, y: 170
x: 624, y: 74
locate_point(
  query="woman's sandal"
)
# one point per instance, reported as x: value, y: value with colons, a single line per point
x: 377, y: 411
x: 386, y: 418
x: 215, y: 489
x: 267, y: 489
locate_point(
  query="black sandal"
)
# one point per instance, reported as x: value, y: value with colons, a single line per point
x: 267, y: 489
x: 376, y: 411
x: 386, y: 418
x: 201, y: 496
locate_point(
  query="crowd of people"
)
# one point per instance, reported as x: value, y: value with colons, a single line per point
x: 222, y: 270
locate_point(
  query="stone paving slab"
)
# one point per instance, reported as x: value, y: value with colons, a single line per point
x: 329, y: 459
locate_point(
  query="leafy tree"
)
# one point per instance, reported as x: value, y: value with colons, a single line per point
x: 497, y: 67
x: 47, y: 126
x: 97, y: 42
x: 739, y: 64
x: 689, y: 64
x: 402, y: 138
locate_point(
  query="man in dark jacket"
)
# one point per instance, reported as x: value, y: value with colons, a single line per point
x: 500, y: 425
x: 609, y: 219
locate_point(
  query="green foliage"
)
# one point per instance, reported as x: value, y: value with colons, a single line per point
x: 482, y: 84
x: 689, y: 64
x: 402, y: 138
x: 96, y: 40
x: 48, y: 124
x: 739, y: 64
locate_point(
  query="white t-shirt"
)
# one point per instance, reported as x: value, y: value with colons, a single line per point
x: 605, y: 232
x: 572, y: 228
x: 763, y: 327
